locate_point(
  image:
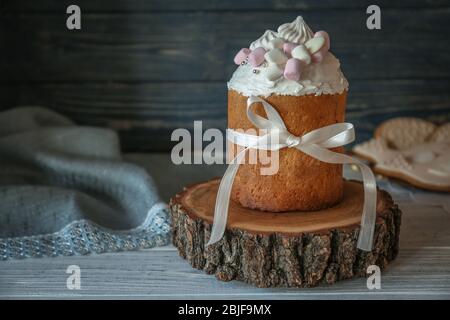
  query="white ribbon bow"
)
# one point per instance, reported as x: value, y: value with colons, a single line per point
x: 314, y: 144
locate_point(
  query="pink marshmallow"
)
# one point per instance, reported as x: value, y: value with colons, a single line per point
x: 256, y: 57
x: 318, y: 56
x: 327, y: 39
x: 293, y: 69
x: 241, y: 55
x: 288, y: 47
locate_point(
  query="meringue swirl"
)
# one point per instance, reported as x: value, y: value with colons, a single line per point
x: 296, y: 32
x: 264, y: 40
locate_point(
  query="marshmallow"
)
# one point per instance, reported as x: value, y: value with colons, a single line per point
x: 300, y: 52
x: 256, y: 57
x: 293, y: 69
x: 288, y: 47
x: 318, y: 56
x: 276, y: 43
x: 272, y: 72
x: 325, y: 35
x: 315, y: 44
x: 241, y: 55
x: 275, y: 56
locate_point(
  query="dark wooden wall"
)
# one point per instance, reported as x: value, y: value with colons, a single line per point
x: 145, y: 67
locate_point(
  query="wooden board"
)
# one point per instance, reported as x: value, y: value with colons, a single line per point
x: 200, y: 46
x: 145, y: 114
x: 266, y: 249
x: 130, y: 68
x: 52, y: 6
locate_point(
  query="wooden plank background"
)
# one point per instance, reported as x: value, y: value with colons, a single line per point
x: 148, y: 67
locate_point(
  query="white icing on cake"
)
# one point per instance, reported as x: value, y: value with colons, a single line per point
x: 321, y: 78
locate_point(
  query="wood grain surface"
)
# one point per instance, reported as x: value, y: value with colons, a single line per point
x: 198, y: 201
x: 420, y: 271
x: 148, y: 67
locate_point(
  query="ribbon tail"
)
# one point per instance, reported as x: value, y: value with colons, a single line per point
x: 223, y: 199
x: 369, y: 214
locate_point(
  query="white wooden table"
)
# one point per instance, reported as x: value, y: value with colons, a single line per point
x: 422, y: 269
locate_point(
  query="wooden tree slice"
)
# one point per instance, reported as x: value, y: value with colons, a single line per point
x: 266, y: 249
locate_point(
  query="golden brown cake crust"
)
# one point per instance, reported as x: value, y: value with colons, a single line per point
x: 301, y: 183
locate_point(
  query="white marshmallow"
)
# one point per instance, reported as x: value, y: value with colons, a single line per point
x: 276, y: 56
x: 301, y: 53
x: 276, y: 43
x: 315, y: 44
x: 272, y: 72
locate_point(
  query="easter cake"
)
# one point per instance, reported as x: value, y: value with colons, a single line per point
x: 293, y: 70
x: 290, y: 86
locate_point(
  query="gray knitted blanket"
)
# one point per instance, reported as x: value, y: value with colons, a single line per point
x: 64, y: 190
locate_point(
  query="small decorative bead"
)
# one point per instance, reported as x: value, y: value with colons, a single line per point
x: 255, y: 71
